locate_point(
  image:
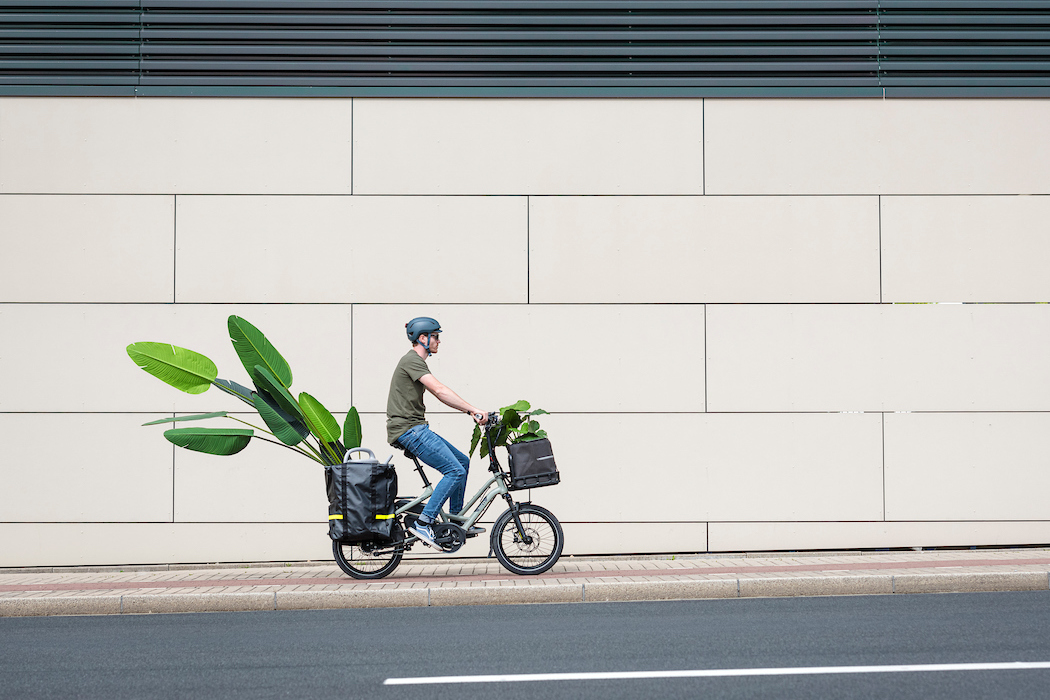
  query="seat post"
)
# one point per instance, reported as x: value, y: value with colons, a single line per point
x: 419, y: 468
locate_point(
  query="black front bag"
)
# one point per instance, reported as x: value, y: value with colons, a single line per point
x: 361, y: 497
x: 532, y: 465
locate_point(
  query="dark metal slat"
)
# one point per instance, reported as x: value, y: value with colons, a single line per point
x: 469, y: 81
x: 506, y: 19
x: 504, y: 66
x: 495, y: 49
x: 524, y: 5
x: 150, y: 33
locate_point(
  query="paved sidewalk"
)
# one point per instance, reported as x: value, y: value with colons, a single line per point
x: 423, y: 582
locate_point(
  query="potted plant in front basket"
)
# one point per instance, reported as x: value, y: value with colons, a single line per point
x: 517, y: 423
x: 301, y: 424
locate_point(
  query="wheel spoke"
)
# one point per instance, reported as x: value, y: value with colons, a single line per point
x: 537, y: 550
x: 369, y: 561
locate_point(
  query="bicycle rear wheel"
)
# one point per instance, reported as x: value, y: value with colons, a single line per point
x: 369, y: 560
x: 540, y: 552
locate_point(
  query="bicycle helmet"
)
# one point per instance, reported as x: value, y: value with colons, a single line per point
x: 422, y: 325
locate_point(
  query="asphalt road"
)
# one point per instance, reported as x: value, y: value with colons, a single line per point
x: 350, y: 653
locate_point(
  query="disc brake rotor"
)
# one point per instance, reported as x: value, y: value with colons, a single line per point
x: 532, y: 544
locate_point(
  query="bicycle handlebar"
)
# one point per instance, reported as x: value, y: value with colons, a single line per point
x: 493, y: 417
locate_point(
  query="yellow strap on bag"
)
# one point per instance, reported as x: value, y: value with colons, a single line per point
x: 383, y: 517
x: 335, y: 517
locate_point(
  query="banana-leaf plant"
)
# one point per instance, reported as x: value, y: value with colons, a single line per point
x: 301, y: 424
x: 517, y: 424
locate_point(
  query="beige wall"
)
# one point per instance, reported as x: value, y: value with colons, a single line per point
x: 744, y: 315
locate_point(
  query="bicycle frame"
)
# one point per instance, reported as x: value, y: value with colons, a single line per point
x: 486, y: 495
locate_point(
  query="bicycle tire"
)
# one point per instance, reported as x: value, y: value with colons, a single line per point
x: 528, y: 559
x: 356, y: 562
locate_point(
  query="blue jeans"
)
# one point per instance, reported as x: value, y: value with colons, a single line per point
x: 439, y: 453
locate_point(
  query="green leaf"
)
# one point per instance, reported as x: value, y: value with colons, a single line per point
x: 213, y: 441
x: 268, y: 384
x: 509, y: 417
x: 538, y: 412
x: 500, y: 437
x: 183, y: 369
x: 279, y: 422
x: 234, y: 389
x: 320, y: 422
x: 254, y: 349
x: 199, y: 416
x: 338, y: 449
x: 522, y: 405
x: 352, y: 429
x: 475, y: 439
x: 533, y: 426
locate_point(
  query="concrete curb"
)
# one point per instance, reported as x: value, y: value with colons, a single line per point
x: 526, y: 593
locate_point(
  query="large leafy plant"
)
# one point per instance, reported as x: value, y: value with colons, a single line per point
x: 517, y: 423
x: 301, y: 424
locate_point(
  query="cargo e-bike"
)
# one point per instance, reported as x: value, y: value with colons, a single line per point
x: 526, y: 538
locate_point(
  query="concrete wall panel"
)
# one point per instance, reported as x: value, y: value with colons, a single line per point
x: 694, y: 468
x: 87, y: 248
x: 877, y: 146
x: 174, y: 146
x: 878, y: 357
x: 80, y: 544
x: 84, y: 467
x: 352, y: 249
x: 628, y: 316
x: 703, y: 249
x: 969, y: 466
x: 631, y: 538
x: 73, y: 357
x: 559, y: 357
x: 769, y: 536
x: 491, y: 146
x: 965, y: 249
x: 262, y: 483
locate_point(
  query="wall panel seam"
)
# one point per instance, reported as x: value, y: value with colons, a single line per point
x: 879, y: 203
x: 175, y: 249
x: 352, y: 149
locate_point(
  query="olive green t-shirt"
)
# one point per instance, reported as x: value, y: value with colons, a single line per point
x: 404, y: 403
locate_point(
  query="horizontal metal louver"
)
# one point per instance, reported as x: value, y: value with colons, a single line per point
x: 526, y: 47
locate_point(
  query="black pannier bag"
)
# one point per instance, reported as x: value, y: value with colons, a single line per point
x: 361, y: 497
x: 532, y: 465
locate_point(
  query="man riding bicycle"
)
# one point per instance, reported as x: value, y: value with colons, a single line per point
x: 407, y: 428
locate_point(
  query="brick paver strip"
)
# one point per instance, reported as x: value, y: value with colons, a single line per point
x: 748, y: 570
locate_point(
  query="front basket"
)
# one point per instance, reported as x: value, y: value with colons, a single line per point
x: 532, y: 465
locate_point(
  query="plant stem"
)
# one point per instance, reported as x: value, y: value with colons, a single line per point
x: 328, y: 450
x: 290, y: 447
x: 293, y: 449
x: 251, y: 426
x: 311, y: 448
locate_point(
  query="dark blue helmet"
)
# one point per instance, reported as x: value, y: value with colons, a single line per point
x: 422, y: 325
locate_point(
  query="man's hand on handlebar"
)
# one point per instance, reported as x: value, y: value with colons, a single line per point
x: 490, y: 418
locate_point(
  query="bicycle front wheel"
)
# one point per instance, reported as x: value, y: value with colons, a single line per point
x: 534, y: 553
x: 367, y: 560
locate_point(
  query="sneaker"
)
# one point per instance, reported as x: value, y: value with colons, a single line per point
x: 424, y: 533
